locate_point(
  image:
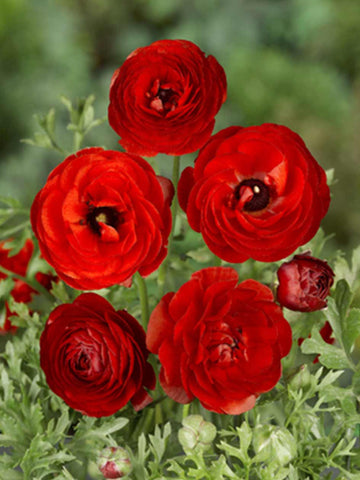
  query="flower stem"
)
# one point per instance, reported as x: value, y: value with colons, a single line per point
x: 185, y: 410
x: 144, y: 299
x: 31, y: 282
x: 174, y: 209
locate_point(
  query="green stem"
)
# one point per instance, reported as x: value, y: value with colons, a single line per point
x: 9, y: 232
x: 78, y: 138
x: 174, y: 209
x: 185, y: 411
x: 31, y: 282
x: 144, y: 299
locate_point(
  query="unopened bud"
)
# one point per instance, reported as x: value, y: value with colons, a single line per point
x: 274, y: 444
x: 196, y: 435
x: 114, y: 462
x: 302, y: 379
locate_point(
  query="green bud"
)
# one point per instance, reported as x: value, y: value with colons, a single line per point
x: 114, y: 462
x: 196, y: 435
x: 302, y: 380
x: 273, y: 444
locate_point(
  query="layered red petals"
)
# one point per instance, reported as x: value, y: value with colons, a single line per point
x: 95, y: 358
x: 254, y: 192
x: 164, y: 98
x: 218, y: 341
x: 304, y: 283
x: 102, y: 216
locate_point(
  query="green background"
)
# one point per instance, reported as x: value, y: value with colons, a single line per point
x: 293, y: 62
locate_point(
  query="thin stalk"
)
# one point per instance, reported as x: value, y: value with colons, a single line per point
x: 144, y: 299
x: 31, y: 282
x: 185, y: 410
x: 174, y: 209
x: 17, y: 228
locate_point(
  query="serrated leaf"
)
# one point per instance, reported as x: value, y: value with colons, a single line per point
x: 329, y: 379
x: 245, y: 435
x: 333, y: 317
x: 6, y: 285
x: 330, y: 356
x: 158, y: 440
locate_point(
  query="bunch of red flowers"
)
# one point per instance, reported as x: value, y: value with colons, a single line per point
x: 104, y: 215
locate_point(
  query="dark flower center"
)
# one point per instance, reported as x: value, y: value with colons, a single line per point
x: 83, y: 362
x: 108, y: 215
x: 163, y: 98
x: 226, y: 344
x: 261, y: 194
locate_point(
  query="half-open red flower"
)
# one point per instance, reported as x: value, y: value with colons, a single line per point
x: 164, y: 98
x: 95, y: 358
x: 102, y: 216
x: 254, y: 192
x: 304, y: 283
x: 218, y: 341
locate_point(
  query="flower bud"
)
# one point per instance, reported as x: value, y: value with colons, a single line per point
x: 273, y: 444
x: 197, y: 434
x: 302, y: 380
x: 304, y: 283
x: 114, y: 462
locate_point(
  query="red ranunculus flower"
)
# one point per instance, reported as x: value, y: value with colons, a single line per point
x: 254, y: 192
x: 164, y: 98
x: 21, y: 292
x: 95, y: 357
x: 218, y: 341
x: 102, y: 216
x: 304, y: 283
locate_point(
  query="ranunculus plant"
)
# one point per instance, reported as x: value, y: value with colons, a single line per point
x: 145, y: 342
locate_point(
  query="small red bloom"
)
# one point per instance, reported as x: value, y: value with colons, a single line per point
x: 164, y: 98
x: 95, y: 358
x: 218, y: 341
x: 254, y: 192
x: 304, y: 283
x: 102, y: 216
x: 21, y: 292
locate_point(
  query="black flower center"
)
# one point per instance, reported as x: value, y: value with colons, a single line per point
x: 83, y: 362
x: 108, y: 215
x: 261, y: 194
x: 163, y: 98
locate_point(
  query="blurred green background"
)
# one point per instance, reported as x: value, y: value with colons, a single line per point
x: 294, y: 62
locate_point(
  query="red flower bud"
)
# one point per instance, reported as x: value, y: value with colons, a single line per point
x: 114, y: 462
x: 304, y: 283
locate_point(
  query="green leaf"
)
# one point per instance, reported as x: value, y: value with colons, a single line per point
x: 330, y: 356
x: 343, y: 297
x: 351, y: 328
x: 6, y: 285
x: 158, y: 440
x: 333, y: 317
x: 11, y: 202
